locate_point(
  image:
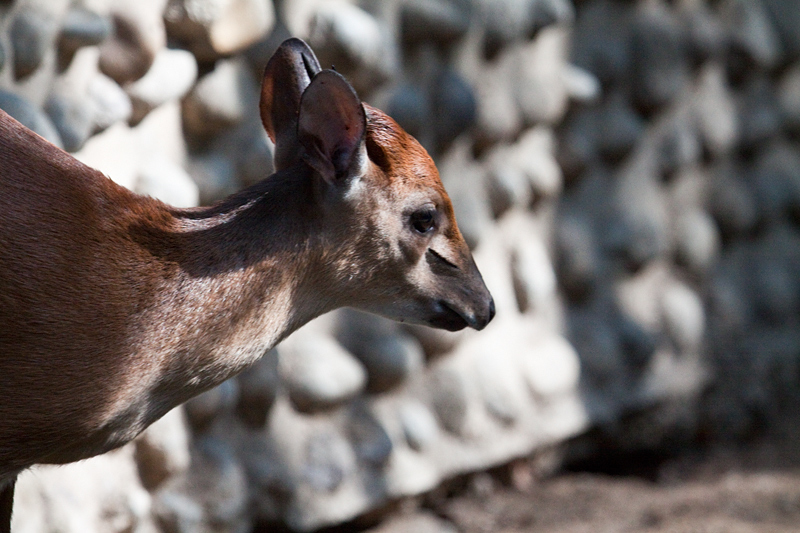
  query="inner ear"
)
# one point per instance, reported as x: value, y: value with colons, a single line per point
x: 377, y: 154
x: 287, y: 74
x: 331, y: 126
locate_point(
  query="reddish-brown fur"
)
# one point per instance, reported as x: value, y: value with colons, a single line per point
x: 115, y: 308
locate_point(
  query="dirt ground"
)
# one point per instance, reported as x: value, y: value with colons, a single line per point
x: 584, y: 503
x: 752, y: 489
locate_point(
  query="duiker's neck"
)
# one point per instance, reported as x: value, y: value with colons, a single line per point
x: 240, y: 275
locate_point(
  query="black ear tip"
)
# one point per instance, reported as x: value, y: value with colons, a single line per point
x: 329, y: 76
x: 286, y: 76
x: 299, y: 48
x: 311, y: 65
x: 296, y: 52
x: 299, y: 45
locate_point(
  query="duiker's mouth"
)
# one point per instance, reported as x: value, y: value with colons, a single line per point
x: 448, y: 318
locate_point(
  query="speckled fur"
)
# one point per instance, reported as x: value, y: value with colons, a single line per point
x: 115, y: 308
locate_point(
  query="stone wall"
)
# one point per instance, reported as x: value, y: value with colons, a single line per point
x: 677, y: 236
x: 626, y: 172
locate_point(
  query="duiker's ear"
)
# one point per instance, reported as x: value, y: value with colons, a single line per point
x: 331, y: 126
x: 287, y: 74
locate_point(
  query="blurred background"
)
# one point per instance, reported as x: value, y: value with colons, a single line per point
x: 627, y: 173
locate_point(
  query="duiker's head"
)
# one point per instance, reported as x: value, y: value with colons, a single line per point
x: 380, y: 195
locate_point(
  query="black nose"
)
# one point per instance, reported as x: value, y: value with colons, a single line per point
x: 480, y: 320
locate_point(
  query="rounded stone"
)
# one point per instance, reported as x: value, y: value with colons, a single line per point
x: 443, y: 22
x: 620, y: 128
x: 498, y: 116
x: 220, y: 99
x: 166, y: 180
x: 680, y: 148
x: 218, y: 480
x: 371, y: 443
x: 776, y: 182
x: 32, y: 32
x: 533, y: 276
x: 138, y: 36
x: 355, y: 42
x: 548, y: 12
x: 29, y: 116
x: 109, y: 103
x: 203, y: 409
x: 706, y: 34
x: 420, y: 428
x: 216, y: 176
x: 577, y: 257
x: 272, y: 484
x: 410, y: 107
x: 730, y: 310
x: 638, y: 345
x: 752, y: 34
x: 465, y: 183
x: 598, y: 347
x: 504, y: 22
x: 85, y: 496
x: 243, y: 23
x: 174, y: 511
x: 258, y: 388
x: 393, y: 360
x: 697, y: 240
x: 85, y: 102
x: 507, y: 185
x: 449, y: 399
x: 249, y: 148
x: 715, y: 111
x: 388, y: 355
x: 171, y: 76
x: 72, y: 117
x: 434, y: 342
x: 637, y: 230
x: 633, y: 241
x: 538, y: 81
x: 658, y: 53
x: 578, y: 146
x: 328, y: 461
x: 684, y: 317
x: 581, y: 85
x: 84, y: 27
x: 535, y: 155
x: 69, y: 104
x: 81, y: 27
x: 601, y: 40
x: 162, y: 451
x: 211, y: 29
x: 732, y: 203
x: 760, y: 117
x: 786, y: 19
x: 788, y: 97
x: 774, y: 291
x: 319, y: 373
x: 501, y: 385
x: 552, y: 368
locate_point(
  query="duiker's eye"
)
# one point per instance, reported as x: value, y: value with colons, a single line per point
x: 424, y: 220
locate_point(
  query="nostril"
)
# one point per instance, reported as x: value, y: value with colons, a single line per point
x: 491, y: 309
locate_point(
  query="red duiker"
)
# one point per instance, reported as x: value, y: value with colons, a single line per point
x: 115, y: 308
